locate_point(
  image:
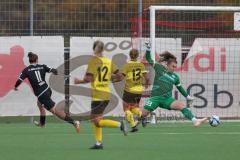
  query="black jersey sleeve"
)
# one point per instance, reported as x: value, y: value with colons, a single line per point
x: 23, y: 75
x: 47, y: 69
x: 52, y: 70
x: 21, y: 78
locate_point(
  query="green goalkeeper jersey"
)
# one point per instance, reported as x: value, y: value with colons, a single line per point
x: 164, y: 80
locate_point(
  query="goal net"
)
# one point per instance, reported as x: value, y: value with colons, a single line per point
x: 206, y: 42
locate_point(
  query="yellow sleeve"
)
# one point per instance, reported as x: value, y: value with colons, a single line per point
x: 91, y: 67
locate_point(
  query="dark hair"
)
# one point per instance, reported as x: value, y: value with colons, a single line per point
x: 133, y: 53
x: 98, y: 43
x: 167, y: 57
x: 32, y: 57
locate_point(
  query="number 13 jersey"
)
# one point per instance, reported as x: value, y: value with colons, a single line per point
x: 134, y: 71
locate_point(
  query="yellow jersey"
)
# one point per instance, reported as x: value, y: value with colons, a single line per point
x: 101, y: 68
x: 133, y: 71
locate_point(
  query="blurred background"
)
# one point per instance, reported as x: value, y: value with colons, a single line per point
x: 129, y: 19
x: 101, y: 17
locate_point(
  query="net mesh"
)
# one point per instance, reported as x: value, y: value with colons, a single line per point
x: 119, y: 18
x: 86, y: 17
x: 207, y: 48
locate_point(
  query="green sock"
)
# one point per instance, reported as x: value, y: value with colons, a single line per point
x: 187, y: 113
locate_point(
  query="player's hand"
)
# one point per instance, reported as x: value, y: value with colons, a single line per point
x: 147, y: 45
x: 54, y: 71
x: 190, y: 101
x: 76, y: 81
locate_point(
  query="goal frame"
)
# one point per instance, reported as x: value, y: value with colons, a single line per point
x: 155, y: 8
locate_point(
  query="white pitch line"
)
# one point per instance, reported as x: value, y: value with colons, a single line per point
x: 169, y: 133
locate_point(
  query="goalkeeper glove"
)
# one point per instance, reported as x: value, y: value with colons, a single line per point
x: 148, y: 45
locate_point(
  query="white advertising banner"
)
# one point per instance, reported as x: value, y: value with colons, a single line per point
x: 117, y: 49
x: 13, y: 59
x: 211, y: 73
x: 212, y: 76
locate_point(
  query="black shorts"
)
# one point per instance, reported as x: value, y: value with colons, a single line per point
x: 46, y: 100
x: 131, y: 97
x: 98, y: 107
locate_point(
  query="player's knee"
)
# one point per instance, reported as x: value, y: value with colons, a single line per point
x: 39, y: 104
x: 180, y: 105
x: 96, y: 120
x: 145, y: 112
x: 53, y: 110
x: 126, y: 107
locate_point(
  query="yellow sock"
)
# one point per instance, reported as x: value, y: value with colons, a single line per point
x: 137, y: 111
x: 98, y: 133
x: 109, y: 123
x: 129, y: 117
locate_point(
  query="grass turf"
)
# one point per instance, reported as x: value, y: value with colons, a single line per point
x: 170, y: 141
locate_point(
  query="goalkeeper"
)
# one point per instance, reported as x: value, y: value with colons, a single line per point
x: 161, y: 94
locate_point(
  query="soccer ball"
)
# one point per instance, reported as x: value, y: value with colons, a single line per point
x: 214, y: 121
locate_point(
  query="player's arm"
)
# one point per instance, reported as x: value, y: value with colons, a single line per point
x: 148, y: 55
x: 87, y: 79
x: 180, y: 87
x: 21, y: 78
x: 89, y: 76
x: 183, y: 91
x: 161, y: 64
x: 119, y: 75
x: 146, y: 80
x: 116, y: 75
x: 50, y: 70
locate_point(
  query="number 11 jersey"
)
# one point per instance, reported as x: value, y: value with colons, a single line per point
x: 35, y: 73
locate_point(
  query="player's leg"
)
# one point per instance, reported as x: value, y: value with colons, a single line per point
x: 97, y: 110
x: 136, y: 110
x: 49, y: 104
x: 62, y: 115
x: 129, y: 116
x: 151, y: 104
x: 97, y: 131
x: 42, y: 119
x: 127, y: 100
x: 130, y: 107
x: 178, y: 105
x: 135, y: 107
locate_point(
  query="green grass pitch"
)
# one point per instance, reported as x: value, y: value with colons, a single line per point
x: 165, y: 141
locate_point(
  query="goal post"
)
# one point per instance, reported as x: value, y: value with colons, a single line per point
x: 208, y: 44
x: 153, y: 10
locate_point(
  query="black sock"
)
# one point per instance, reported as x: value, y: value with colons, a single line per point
x: 69, y: 119
x: 42, y: 120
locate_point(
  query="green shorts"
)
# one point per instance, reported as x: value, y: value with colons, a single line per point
x: 162, y: 102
